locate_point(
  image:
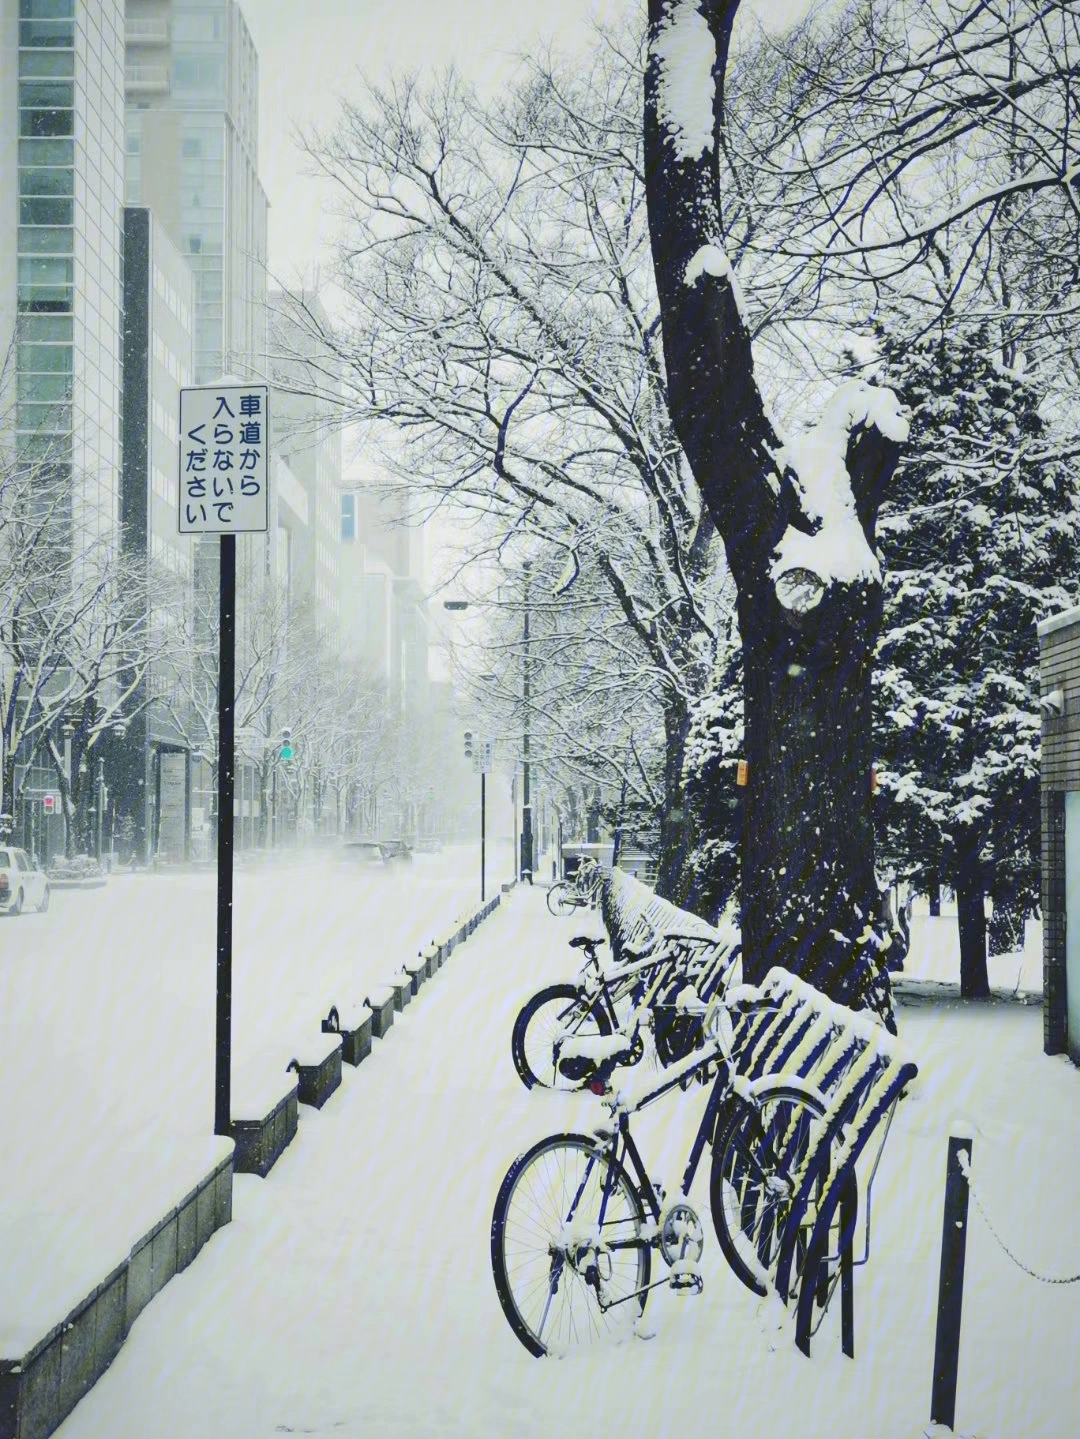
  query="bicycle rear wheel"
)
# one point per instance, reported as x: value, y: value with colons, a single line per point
x: 561, y: 898
x: 557, y: 1011
x: 568, y: 1256
x: 755, y: 1159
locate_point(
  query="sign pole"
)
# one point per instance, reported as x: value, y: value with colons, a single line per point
x: 224, y: 491
x: 226, y: 735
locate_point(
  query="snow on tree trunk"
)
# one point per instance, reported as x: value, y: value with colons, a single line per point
x: 671, y: 880
x: 797, y: 522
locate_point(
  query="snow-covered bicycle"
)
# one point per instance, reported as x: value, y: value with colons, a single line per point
x: 581, y: 891
x: 578, y: 1219
x: 608, y: 1012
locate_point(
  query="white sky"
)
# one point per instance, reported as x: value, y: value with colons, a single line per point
x: 310, y: 54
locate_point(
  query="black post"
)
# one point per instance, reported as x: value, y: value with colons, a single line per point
x: 950, y: 1285
x: 526, y: 803
x: 849, y: 1210
x: 226, y: 718
x: 483, y: 827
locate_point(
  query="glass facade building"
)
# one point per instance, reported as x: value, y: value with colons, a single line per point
x: 64, y: 203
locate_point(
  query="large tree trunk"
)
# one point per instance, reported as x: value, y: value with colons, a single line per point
x: 810, y: 895
x: 798, y: 527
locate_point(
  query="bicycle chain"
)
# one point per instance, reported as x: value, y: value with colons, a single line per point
x: 965, y: 1165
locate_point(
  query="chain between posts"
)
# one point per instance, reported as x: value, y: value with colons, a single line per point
x: 965, y: 1166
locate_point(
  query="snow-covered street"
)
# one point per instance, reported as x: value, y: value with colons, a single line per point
x: 352, y: 1293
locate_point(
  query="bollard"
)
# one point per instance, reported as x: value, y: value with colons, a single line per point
x: 951, y: 1280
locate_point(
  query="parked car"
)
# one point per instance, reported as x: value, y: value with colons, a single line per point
x: 364, y: 851
x: 395, y: 849
x: 22, y: 884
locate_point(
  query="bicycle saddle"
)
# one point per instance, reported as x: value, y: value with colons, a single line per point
x: 586, y: 941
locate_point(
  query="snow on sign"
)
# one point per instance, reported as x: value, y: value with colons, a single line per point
x: 224, y: 460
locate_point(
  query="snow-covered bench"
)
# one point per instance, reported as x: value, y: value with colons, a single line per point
x: 858, y: 1072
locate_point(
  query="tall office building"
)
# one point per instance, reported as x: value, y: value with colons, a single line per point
x: 191, y: 82
x: 61, y: 243
x: 61, y: 259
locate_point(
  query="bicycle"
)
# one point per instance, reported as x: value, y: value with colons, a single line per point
x: 577, y: 1218
x: 579, y: 892
x: 604, y: 1004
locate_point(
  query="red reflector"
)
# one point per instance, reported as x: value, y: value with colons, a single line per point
x: 597, y: 1086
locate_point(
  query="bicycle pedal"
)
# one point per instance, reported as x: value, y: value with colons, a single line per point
x: 686, y: 1278
x: 660, y: 1191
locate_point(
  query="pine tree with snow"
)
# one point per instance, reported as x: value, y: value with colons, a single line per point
x: 980, y: 537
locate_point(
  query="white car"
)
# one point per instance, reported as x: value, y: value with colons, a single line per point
x: 22, y: 884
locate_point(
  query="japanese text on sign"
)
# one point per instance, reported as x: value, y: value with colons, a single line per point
x: 224, y: 460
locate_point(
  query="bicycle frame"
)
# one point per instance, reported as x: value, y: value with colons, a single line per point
x: 617, y: 1145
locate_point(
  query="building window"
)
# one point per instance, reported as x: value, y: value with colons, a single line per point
x: 348, y: 518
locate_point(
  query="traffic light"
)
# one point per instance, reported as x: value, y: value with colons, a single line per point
x: 286, y: 752
x: 468, y: 744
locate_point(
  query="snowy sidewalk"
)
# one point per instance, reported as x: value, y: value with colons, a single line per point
x: 352, y: 1294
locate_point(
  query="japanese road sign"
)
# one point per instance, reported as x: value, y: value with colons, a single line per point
x: 224, y: 460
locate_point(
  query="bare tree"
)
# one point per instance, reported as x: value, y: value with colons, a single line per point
x: 502, y: 336
x: 75, y: 642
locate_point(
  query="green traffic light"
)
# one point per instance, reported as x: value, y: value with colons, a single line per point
x: 286, y: 751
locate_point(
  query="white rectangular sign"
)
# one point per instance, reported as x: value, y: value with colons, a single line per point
x: 483, y: 757
x: 224, y: 460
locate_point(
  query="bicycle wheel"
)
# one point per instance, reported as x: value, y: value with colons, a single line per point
x: 755, y: 1158
x: 561, y: 899
x: 567, y: 1252
x: 555, y: 1012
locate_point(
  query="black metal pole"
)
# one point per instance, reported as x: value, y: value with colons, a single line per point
x: 526, y: 803
x: 950, y: 1286
x: 226, y: 721
x: 483, y: 826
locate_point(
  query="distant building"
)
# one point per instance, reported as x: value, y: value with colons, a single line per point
x: 306, y: 437
x: 191, y: 82
x: 383, y: 610
x: 191, y: 140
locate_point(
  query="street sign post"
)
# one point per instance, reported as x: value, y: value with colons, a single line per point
x: 225, y: 491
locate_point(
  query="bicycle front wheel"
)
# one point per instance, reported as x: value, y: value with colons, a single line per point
x: 570, y: 1262
x: 554, y: 1013
x: 759, y: 1151
x: 561, y: 899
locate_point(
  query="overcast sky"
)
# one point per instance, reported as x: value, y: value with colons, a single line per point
x: 311, y: 51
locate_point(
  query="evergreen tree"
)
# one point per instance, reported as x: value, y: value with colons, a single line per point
x: 980, y: 539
